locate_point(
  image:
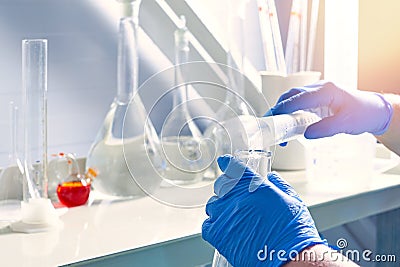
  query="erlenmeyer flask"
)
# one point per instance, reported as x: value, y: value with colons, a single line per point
x: 127, y: 137
x: 187, y: 157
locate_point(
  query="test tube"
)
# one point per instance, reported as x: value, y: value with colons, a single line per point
x: 267, y: 36
x: 293, y: 39
x: 34, y: 86
x: 303, y: 35
x: 14, y: 156
x: 280, y: 58
x: 312, y: 34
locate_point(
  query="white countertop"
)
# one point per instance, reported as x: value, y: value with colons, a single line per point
x: 110, y: 227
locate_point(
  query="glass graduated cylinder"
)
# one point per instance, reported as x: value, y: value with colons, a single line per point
x: 34, y: 103
x: 260, y: 162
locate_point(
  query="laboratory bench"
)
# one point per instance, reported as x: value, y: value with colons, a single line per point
x: 145, y: 232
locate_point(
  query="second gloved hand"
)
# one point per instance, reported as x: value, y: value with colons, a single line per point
x: 353, y: 112
x: 266, y: 226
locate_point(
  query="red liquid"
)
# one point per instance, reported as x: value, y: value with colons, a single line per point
x: 73, y: 194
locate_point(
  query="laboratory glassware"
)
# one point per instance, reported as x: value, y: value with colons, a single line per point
x: 303, y: 35
x: 126, y: 151
x: 260, y: 162
x: 11, y: 176
x: 38, y: 214
x: 66, y: 184
x: 186, y: 157
x: 292, y: 52
x: 312, y: 34
x: 236, y: 55
x: 271, y: 36
x: 57, y: 170
x: 234, y: 104
x: 250, y: 132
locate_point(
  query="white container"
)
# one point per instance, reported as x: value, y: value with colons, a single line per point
x: 292, y: 156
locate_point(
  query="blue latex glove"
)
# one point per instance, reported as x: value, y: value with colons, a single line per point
x: 352, y: 112
x: 242, y: 224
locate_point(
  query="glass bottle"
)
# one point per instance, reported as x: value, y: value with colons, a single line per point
x: 260, y: 162
x: 186, y: 157
x: 126, y: 151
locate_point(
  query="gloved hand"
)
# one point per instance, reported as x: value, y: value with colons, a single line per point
x: 250, y: 228
x: 352, y: 112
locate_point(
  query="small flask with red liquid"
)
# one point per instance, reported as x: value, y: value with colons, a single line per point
x: 73, y: 193
x: 74, y: 190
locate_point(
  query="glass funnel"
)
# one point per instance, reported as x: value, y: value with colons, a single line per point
x: 127, y: 136
x: 186, y: 157
x: 260, y: 162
